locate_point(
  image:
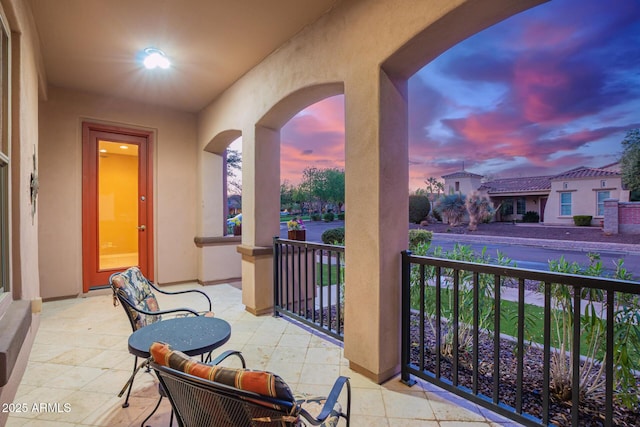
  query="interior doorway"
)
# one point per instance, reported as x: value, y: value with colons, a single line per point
x: 117, y: 198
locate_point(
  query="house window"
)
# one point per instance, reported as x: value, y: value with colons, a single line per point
x: 4, y: 160
x: 565, y: 204
x: 602, y: 196
x: 457, y: 185
x: 521, y: 205
x: 507, y: 207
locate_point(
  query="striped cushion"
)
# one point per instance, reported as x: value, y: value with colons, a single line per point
x: 261, y: 382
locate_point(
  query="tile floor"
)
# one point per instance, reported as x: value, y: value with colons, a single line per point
x: 80, y: 362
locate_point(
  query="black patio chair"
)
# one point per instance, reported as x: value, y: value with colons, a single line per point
x: 216, y: 361
x: 203, y: 395
x: 135, y: 293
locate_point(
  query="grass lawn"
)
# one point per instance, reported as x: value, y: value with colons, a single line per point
x: 534, y: 318
x: 326, y: 271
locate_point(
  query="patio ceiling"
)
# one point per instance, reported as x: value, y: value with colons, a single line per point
x: 92, y: 45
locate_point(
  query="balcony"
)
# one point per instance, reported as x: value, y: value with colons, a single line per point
x: 80, y: 358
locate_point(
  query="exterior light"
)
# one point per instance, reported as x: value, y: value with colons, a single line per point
x: 155, y: 58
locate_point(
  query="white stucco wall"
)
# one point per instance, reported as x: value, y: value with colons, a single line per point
x: 24, y: 143
x: 583, y: 198
x: 175, y: 181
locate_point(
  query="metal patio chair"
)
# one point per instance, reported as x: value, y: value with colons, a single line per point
x: 204, y: 395
x: 135, y: 293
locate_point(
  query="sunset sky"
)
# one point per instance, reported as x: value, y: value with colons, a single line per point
x: 545, y: 91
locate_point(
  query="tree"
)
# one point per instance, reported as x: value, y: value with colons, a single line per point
x: 334, y: 184
x: 286, y: 195
x: 323, y: 186
x: 630, y: 162
x: 433, y: 190
x: 234, y: 165
x: 419, y: 208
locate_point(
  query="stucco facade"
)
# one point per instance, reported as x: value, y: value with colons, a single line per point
x: 583, y: 197
x: 555, y: 198
x: 365, y: 49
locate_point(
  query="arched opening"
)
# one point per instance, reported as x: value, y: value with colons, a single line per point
x: 312, y: 166
x: 532, y: 97
x: 226, y: 153
x: 294, y: 128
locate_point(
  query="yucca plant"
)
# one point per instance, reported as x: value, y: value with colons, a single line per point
x: 451, y: 208
x: 479, y: 208
x: 626, y: 311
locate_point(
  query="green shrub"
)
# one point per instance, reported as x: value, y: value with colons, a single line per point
x: 418, y: 208
x: 341, y: 216
x: 315, y: 217
x: 328, y: 217
x: 582, y: 220
x: 333, y: 236
x: 417, y: 237
x: 452, y: 208
x: 531, y: 216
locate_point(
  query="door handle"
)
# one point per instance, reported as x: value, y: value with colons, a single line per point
x: 142, y: 227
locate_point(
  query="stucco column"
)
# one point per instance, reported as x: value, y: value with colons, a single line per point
x: 376, y: 177
x: 260, y: 215
x: 210, y: 215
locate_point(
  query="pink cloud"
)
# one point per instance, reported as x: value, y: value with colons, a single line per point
x: 314, y: 137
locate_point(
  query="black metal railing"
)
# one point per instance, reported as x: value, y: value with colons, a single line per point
x: 506, y: 339
x: 308, y: 283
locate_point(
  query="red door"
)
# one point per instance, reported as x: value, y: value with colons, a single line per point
x: 117, y: 202
x: 543, y: 205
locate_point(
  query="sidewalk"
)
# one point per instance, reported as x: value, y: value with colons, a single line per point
x: 626, y: 249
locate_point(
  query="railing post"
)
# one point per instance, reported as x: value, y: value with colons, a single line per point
x: 276, y: 276
x: 406, y: 319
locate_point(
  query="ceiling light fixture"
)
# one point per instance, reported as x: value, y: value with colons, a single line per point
x: 155, y: 58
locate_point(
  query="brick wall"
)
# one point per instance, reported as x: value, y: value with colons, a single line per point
x: 629, y: 218
x: 621, y: 217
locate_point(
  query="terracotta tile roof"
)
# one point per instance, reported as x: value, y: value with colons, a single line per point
x: 462, y: 174
x: 538, y: 183
x: 584, y: 172
x: 511, y: 185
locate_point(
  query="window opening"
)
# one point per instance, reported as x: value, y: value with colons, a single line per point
x: 565, y: 204
x: 602, y: 196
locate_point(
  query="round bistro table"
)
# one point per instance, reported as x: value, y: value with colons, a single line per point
x: 193, y: 335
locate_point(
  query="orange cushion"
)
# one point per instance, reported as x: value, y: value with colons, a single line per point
x: 261, y: 382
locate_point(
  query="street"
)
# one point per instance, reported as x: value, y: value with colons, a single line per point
x: 524, y: 255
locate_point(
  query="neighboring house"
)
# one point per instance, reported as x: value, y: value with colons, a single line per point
x: 461, y: 182
x: 515, y: 196
x: 556, y: 198
x: 582, y: 191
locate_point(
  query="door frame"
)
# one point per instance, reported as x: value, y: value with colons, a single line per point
x: 90, y: 157
x: 543, y: 206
